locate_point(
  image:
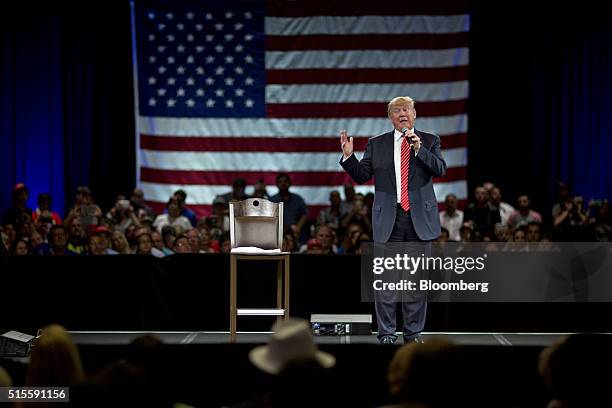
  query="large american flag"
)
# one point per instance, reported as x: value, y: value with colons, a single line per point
x: 250, y: 88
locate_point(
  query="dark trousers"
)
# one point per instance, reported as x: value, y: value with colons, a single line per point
x: 415, y: 309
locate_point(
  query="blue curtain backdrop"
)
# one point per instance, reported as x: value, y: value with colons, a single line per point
x: 540, y: 100
x: 66, y: 107
x: 572, y: 94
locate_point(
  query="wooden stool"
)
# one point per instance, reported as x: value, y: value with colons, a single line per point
x: 282, y: 302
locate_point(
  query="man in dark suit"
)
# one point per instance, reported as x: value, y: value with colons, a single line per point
x: 403, y: 163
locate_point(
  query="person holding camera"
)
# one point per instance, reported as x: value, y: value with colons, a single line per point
x: 122, y: 214
x: 570, y: 224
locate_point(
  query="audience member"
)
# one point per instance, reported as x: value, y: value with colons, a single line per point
x: 173, y: 218
x: 122, y: 214
x: 19, y: 205
x: 20, y: 247
x: 331, y: 215
x: 451, y: 218
x: 576, y: 370
x: 120, y: 243
x: 95, y: 245
x: 218, y: 222
x: 5, y: 378
x: 57, y: 243
x: 85, y: 208
x: 181, y: 199
x: 534, y: 232
x: 294, y: 207
x: 481, y: 214
x: 55, y: 361
x: 523, y: 215
x: 300, y: 372
x: 419, y: 371
x: 105, y: 240
x: 347, y: 204
x: 141, y: 209
x: 600, y: 223
x: 358, y: 215
x: 44, y: 207
x: 563, y: 192
x: 182, y: 245
x: 505, y: 209
x: 570, y: 224
x: 259, y: 190
x: 237, y: 193
x: 75, y: 236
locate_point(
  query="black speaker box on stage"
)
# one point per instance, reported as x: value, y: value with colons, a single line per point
x: 16, y: 344
x: 341, y: 324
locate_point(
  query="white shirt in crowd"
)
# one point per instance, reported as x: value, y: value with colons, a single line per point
x: 162, y: 220
x: 505, y: 211
x: 452, y: 224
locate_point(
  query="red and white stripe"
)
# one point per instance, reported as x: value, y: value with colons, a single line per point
x: 329, y: 67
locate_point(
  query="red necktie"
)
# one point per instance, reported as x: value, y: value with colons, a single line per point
x: 405, y: 171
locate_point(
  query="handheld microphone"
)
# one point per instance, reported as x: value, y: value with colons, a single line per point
x: 404, y: 130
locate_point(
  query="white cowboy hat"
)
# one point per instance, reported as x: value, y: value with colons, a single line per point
x: 291, y: 341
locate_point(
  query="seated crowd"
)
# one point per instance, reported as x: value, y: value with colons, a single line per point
x: 437, y: 373
x: 132, y: 227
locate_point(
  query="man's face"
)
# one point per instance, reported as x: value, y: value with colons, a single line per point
x: 334, y: 198
x: 402, y: 116
x: 237, y: 190
x: 22, y: 196
x: 324, y: 235
x: 174, y: 210
x: 451, y: 203
x: 283, y: 184
x: 533, y: 233
x: 75, y: 229
x: 58, y: 238
x: 523, y: 202
x: 194, y: 240
x: 157, y: 241
x: 495, y: 195
x: 137, y: 196
x: 44, y: 204
x: 481, y: 194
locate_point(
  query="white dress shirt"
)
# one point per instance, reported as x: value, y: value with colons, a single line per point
x: 397, y: 161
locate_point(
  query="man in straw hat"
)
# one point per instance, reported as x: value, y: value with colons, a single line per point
x: 295, y: 367
x: 291, y: 342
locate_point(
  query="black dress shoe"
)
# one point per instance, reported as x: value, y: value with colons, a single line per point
x: 417, y: 339
x: 388, y: 340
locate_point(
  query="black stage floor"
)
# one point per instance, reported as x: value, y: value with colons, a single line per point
x: 218, y: 337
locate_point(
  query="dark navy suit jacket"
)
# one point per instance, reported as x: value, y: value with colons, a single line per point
x: 378, y: 162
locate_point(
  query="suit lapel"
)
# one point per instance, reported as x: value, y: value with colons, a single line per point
x: 413, y: 159
x: 389, y: 151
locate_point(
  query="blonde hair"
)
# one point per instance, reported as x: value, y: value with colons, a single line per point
x: 55, y: 360
x: 400, y: 101
x: 416, y: 366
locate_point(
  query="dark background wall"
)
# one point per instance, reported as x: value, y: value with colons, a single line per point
x: 540, y: 97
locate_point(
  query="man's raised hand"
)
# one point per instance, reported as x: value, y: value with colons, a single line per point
x: 346, y: 143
